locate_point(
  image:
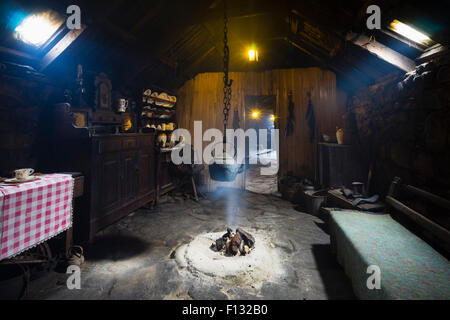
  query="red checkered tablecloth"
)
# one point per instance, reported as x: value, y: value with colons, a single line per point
x: 33, y: 212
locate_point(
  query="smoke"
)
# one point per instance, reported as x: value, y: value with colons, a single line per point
x: 232, y: 215
x: 232, y: 202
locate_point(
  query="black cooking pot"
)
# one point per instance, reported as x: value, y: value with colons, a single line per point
x: 225, y: 169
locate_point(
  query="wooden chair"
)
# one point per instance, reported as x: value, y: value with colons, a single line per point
x: 187, y: 172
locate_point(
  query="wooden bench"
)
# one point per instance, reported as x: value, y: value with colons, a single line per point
x: 410, y: 268
x: 434, y: 232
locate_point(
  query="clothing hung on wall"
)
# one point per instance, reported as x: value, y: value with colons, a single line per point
x: 291, y: 118
x: 311, y: 119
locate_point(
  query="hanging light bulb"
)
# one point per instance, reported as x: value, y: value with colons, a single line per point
x: 253, y: 55
x: 255, y: 114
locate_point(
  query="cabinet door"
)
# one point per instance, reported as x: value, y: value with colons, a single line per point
x: 146, y: 171
x: 129, y: 181
x: 108, y: 183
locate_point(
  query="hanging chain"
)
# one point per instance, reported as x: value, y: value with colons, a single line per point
x: 226, y: 81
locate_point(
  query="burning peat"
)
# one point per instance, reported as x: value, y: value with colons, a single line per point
x: 241, y: 242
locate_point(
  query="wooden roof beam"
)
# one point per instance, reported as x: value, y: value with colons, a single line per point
x: 151, y: 13
x: 59, y: 47
x: 382, y: 52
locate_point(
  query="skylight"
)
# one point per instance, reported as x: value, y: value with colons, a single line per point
x: 409, y: 33
x: 36, y: 29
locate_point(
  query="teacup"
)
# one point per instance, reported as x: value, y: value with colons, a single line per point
x: 23, y: 174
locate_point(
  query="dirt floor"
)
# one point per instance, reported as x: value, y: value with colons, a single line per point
x: 163, y: 253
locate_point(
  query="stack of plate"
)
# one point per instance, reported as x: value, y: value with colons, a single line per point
x: 163, y: 99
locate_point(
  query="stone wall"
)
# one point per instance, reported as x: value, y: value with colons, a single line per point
x: 403, y: 127
x: 22, y: 101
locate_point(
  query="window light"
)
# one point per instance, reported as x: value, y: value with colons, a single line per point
x: 37, y: 28
x: 409, y: 32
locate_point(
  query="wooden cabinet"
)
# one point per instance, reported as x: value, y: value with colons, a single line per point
x: 129, y: 176
x: 107, y: 185
x: 121, y: 171
x: 339, y: 165
x: 146, y: 167
x: 122, y: 177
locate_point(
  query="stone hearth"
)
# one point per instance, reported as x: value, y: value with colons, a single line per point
x: 147, y: 255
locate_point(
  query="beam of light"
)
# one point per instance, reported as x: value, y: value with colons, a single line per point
x: 255, y: 114
x: 409, y: 32
x: 253, y: 55
x: 37, y: 28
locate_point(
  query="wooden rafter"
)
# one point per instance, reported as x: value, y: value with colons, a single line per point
x: 151, y: 13
x: 59, y: 47
x: 381, y: 51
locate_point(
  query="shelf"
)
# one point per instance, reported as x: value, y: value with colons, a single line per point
x: 156, y: 130
x: 158, y: 119
x: 154, y: 106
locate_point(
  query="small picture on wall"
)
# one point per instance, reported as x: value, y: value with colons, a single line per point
x: 103, y: 90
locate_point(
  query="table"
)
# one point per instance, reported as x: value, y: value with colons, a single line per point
x: 33, y: 212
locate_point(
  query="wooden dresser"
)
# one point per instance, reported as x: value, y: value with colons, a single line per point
x: 119, y: 170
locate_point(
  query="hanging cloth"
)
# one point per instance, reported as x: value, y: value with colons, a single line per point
x: 236, y: 119
x: 291, y: 118
x: 311, y: 119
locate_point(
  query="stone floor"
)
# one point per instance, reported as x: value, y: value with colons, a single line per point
x: 135, y: 257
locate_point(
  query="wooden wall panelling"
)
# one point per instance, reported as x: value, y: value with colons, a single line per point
x: 201, y: 99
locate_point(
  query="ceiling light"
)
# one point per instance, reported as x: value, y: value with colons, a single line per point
x: 255, y: 114
x: 37, y: 28
x: 272, y: 118
x: 409, y: 32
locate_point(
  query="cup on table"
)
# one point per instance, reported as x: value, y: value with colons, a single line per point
x: 23, y: 174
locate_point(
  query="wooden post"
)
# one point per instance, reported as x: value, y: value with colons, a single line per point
x: 193, y: 187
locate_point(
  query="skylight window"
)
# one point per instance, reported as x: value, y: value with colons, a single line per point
x: 410, y: 33
x: 37, y: 28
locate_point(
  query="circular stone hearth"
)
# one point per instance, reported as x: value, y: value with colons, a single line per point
x: 261, y: 264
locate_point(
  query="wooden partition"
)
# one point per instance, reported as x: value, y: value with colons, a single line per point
x: 201, y: 99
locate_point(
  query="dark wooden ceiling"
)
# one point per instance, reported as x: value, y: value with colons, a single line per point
x: 165, y: 43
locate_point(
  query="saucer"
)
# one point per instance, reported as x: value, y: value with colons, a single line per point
x: 15, y: 180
